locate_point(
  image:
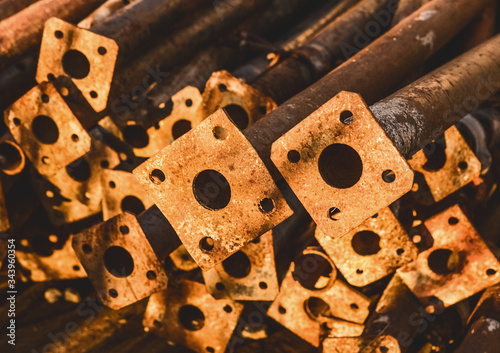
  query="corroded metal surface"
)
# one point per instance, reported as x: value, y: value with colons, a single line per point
x: 458, y: 265
x: 371, y: 251
x: 173, y: 171
x: 338, y: 153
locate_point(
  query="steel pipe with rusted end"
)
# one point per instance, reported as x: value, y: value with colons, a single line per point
x: 21, y: 33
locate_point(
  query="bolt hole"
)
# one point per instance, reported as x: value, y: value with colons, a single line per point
x: 58, y: 34
x: 463, y: 165
x: 210, y: 349
x: 333, y: 213
x: 51, y: 77
x: 104, y: 164
x: 346, y: 117
x: 136, y: 136
x: 76, y: 268
x: 359, y: 272
x: 189, y: 102
x: 452, y: 221
x: 87, y: 249
x: 112, y: 184
x: 75, y: 138
x: 281, y: 310
x: 124, y: 230
x: 151, y: 275
x: 75, y: 64
x: 237, y: 265
x: 93, y: 94
x: 45, y: 130
x: 157, y: 176
x: 118, y: 261
x: 317, y: 268
x: 366, y: 243
x: 222, y: 87
x: 262, y: 285
x: 388, y: 176
x: 207, y: 244
x: 238, y: 115
x: 220, y: 286
x: 45, y: 98
x: 180, y: 128
x: 354, y: 306
x: 228, y: 309
x: 256, y: 240
x: 102, y: 51
x: 491, y: 272
x: 400, y: 251
x: 113, y: 293
x: 16, y: 121
x: 133, y: 205
x: 444, y: 261
x: 293, y: 156
x: 435, y: 154
x: 79, y: 170
x: 211, y: 189
x: 266, y: 205
x: 384, y: 349
x: 220, y: 133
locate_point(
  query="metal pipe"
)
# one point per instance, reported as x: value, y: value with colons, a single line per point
x: 11, y: 7
x: 382, y: 63
x: 418, y: 113
x: 103, y: 12
x: 22, y: 33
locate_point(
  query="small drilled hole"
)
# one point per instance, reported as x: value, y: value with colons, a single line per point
x: 346, y: 117
x: 16, y: 121
x: 157, y: 176
x: 112, y: 184
x: 76, y: 268
x: 87, y: 249
x: 124, y: 229
x: 210, y: 349
x: 263, y: 285
x: 266, y: 205
x: 354, y: 306
x: 491, y: 272
x: 281, y: 310
x: 189, y: 102
x: 93, y: 94
x: 228, y: 309
x: 191, y: 317
x: 180, y: 127
x: 463, y: 165
x: 222, y: 87
x: 375, y: 215
x: 104, y: 164
x: 151, y: 275
x: 102, y: 51
x: 333, y: 213
x: 220, y: 286
x: 400, y: 251
x: 220, y: 133
x: 359, y: 272
x: 388, y: 176
x: 45, y: 98
x: 293, y: 156
x: 384, y: 349
x: 452, y: 221
x: 75, y: 138
x: 58, y: 34
x: 207, y: 244
x: 113, y: 293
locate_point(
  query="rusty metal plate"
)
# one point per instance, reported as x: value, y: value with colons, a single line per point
x: 122, y: 193
x: 213, y: 176
x: 62, y: 264
x: 182, y: 260
x: 223, y: 90
x: 87, y: 58
x: 341, y: 165
x: 446, y: 171
x: 458, y: 265
x: 371, y: 251
x: 186, y: 114
x: 312, y: 300
x: 379, y: 344
x: 119, y: 261
x: 46, y: 129
x: 75, y: 192
x: 187, y: 314
x: 249, y: 274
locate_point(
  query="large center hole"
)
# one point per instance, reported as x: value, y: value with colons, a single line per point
x: 79, y: 170
x: 237, y: 265
x: 180, y: 128
x: 10, y: 156
x: 132, y: 204
x: 136, y: 136
x: 238, y: 115
x: 313, y: 271
x: 191, y: 318
x: 435, y: 152
x: 366, y: 243
x: 340, y: 166
x: 317, y: 308
x: 75, y: 64
x: 211, y: 189
x: 444, y: 261
x: 118, y: 261
x: 45, y: 129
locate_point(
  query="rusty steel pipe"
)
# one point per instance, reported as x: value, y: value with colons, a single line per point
x: 418, y: 113
x: 368, y: 66
x: 11, y: 7
x: 102, y: 13
x: 321, y: 53
x: 22, y: 33
x: 484, y: 325
x: 182, y: 43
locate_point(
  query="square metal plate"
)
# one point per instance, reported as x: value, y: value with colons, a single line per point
x: 87, y: 58
x: 341, y: 164
x: 214, y: 189
x: 458, y: 265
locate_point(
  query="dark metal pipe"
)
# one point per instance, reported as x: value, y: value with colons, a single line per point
x: 11, y: 7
